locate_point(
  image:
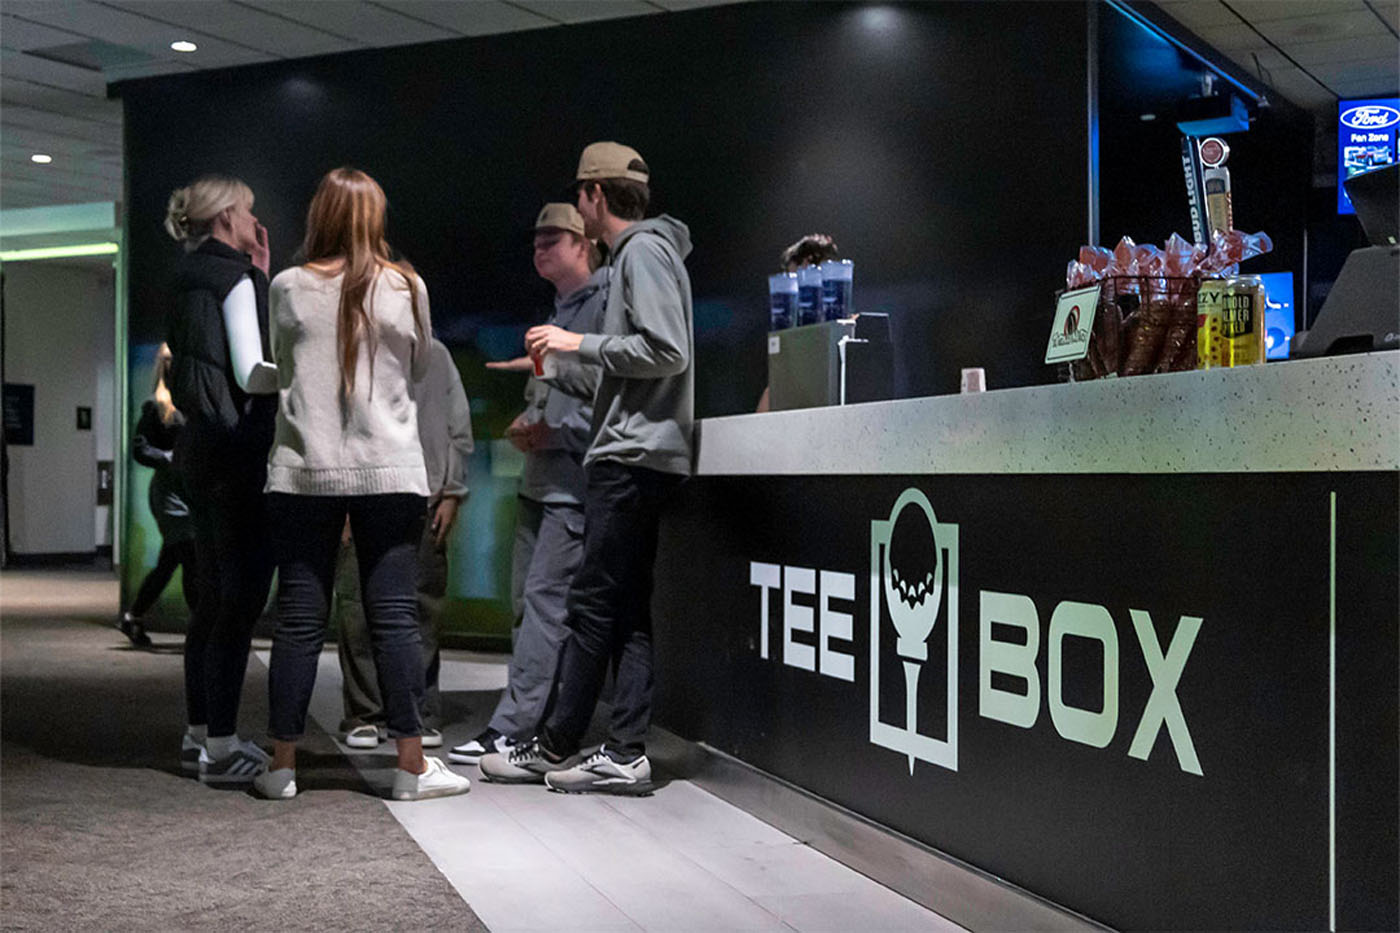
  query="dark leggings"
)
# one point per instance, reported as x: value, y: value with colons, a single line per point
x: 235, y: 572
x: 178, y: 554
x: 306, y: 531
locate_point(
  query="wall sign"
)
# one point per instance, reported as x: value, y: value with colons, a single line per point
x: 1088, y: 685
x: 1074, y: 323
x: 1367, y: 131
x: 19, y: 414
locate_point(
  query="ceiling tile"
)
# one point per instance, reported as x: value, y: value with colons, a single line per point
x: 1263, y: 11
x: 39, y: 97
x: 148, y: 34
x: 26, y: 67
x: 1298, y: 29
x: 1300, y: 88
x: 1335, y: 51
x: 368, y: 23
x: 1384, y: 72
x: 582, y: 11
x: 1388, y: 10
x: 1232, y: 38
x: 474, y: 18
x: 16, y: 33
x: 1199, y: 14
x: 48, y: 121
x: 1364, y: 88
x: 243, y: 25
x: 680, y: 6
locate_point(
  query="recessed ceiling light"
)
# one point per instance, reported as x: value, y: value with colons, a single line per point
x: 41, y: 158
x: 183, y: 46
x: 1148, y: 117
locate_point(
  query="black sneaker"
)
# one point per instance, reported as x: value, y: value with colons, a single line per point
x: 469, y: 753
x: 135, y: 632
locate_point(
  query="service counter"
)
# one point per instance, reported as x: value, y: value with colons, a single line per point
x: 1129, y: 646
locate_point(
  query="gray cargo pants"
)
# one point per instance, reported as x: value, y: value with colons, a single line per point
x: 359, y: 677
x: 548, y: 551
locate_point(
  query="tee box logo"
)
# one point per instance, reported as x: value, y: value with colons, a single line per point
x: 914, y: 580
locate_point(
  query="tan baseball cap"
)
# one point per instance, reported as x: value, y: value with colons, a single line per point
x: 559, y: 216
x: 612, y: 160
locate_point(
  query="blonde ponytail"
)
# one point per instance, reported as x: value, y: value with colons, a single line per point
x: 190, y: 212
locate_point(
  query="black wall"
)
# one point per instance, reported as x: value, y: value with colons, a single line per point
x: 942, y: 144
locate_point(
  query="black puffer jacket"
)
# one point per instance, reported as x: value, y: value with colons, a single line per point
x: 227, y: 431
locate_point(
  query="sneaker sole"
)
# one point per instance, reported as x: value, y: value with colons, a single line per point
x: 190, y: 767
x: 458, y: 758
x: 434, y: 742
x: 434, y: 794
x: 493, y: 779
x: 361, y: 743
x: 640, y: 789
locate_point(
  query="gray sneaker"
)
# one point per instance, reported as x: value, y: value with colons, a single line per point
x: 599, y: 774
x: 523, y: 764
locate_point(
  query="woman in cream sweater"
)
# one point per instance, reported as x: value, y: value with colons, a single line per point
x: 350, y: 336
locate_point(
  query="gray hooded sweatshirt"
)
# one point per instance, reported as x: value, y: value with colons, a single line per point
x: 553, y: 472
x: 645, y: 406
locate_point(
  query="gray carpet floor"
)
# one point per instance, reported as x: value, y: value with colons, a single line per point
x: 98, y: 829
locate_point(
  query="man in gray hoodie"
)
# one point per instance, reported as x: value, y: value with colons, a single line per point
x: 641, y: 452
x: 553, y: 432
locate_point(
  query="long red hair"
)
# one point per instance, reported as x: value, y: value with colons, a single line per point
x: 346, y: 222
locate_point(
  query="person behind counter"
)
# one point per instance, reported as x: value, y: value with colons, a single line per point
x: 640, y: 453
x: 221, y: 382
x: 812, y: 250
x: 553, y: 432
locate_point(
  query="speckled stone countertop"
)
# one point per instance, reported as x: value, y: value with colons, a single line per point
x: 1337, y: 414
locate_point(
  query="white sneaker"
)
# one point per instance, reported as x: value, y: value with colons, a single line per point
x: 432, y: 738
x: 363, y: 737
x: 438, y: 781
x: 280, y: 784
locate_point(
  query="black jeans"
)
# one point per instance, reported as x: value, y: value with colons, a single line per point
x: 610, y: 610
x: 235, y: 573
x: 172, y: 555
x: 306, y: 533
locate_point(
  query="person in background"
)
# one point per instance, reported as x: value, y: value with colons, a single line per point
x: 445, y: 431
x: 812, y: 250
x: 640, y: 454
x: 553, y: 432
x: 154, y: 446
x: 351, y: 332
x: 222, y: 382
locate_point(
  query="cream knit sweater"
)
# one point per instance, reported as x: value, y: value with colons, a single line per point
x: 364, y: 445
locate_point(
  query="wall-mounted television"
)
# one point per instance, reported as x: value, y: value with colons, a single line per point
x: 1366, y: 138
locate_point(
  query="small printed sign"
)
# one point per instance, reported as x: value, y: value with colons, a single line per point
x: 1074, y: 322
x: 774, y: 345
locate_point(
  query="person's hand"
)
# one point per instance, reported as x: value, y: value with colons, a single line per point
x: 444, y: 516
x: 261, y: 255
x: 548, y: 338
x: 521, y: 364
x: 524, y: 435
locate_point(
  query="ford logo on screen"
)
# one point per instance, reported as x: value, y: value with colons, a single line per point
x: 1371, y: 117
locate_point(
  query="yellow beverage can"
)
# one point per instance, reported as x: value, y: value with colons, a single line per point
x: 1242, y: 321
x: 1209, y: 343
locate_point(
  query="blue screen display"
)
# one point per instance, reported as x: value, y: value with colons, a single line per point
x: 1366, y: 139
x: 1279, y: 323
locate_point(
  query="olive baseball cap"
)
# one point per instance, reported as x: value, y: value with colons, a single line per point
x: 558, y: 216
x: 612, y: 160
